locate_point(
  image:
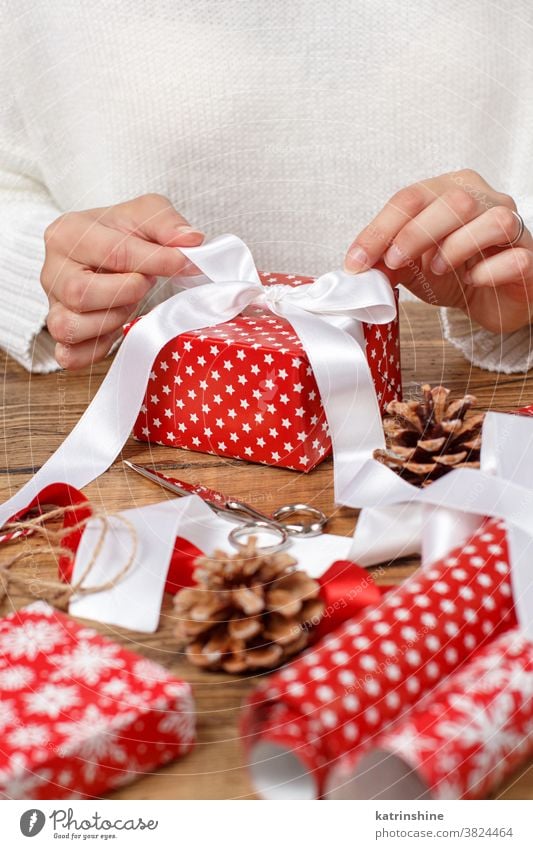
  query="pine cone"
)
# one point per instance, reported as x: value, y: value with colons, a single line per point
x: 249, y: 611
x: 428, y: 438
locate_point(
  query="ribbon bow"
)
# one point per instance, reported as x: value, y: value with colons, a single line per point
x: 326, y: 315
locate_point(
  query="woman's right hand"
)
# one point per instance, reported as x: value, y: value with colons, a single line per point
x: 100, y: 263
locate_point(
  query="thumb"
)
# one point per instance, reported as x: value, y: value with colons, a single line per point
x: 156, y: 220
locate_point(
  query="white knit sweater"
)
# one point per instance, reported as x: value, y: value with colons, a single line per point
x: 289, y: 123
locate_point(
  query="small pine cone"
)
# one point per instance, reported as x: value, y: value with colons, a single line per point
x: 248, y: 610
x: 427, y: 438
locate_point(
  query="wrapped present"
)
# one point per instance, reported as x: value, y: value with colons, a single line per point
x: 245, y: 389
x: 328, y: 315
x: 80, y: 715
x: 466, y: 737
x: 363, y: 676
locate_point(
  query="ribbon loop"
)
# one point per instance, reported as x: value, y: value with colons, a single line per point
x: 326, y: 315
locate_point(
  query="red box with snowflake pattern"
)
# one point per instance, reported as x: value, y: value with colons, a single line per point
x: 244, y: 389
x: 80, y: 715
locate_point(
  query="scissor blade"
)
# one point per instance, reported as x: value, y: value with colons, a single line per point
x: 179, y: 487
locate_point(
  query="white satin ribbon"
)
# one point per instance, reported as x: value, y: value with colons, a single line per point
x: 135, y: 600
x: 326, y: 315
x: 503, y: 488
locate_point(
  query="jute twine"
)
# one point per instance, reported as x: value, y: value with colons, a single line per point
x: 57, y: 592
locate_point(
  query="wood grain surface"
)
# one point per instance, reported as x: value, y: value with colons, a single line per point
x: 39, y: 410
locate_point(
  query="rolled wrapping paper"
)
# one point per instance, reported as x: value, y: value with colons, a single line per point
x: 363, y: 676
x: 461, y: 742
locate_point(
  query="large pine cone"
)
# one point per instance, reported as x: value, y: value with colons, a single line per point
x: 429, y: 437
x: 249, y: 611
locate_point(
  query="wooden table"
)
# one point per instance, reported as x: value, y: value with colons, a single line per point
x: 40, y: 410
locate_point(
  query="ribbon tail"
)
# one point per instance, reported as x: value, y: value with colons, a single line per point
x: 343, y: 377
x: 102, y: 431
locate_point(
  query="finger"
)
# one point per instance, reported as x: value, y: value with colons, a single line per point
x: 514, y: 265
x: 83, y: 290
x: 448, y: 212
x: 70, y: 328
x: 152, y: 217
x: 85, y: 353
x: 95, y: 245
x: 493, y: 228
x: 375, y: 239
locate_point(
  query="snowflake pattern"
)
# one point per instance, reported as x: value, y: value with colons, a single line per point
x: 7, y: 713
x: 93, y: 738
x: 87, y: 661
x: 76, y: 719
x: 52, y: 700
x: 245, y: 389
x: 378, y: 677
x: 16, y: 677
x: 30, y: 639
x: 180, y: 722
x: 465, y: 737
x: 18, y: 781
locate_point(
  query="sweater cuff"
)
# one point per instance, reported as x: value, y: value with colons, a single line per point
x: 24, y: 304
x: 509, y: 353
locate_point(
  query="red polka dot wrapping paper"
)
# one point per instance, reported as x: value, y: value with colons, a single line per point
x: 364, y: 676
x: 245, y: 389
x: 465, y: 737
x: 79, y: 715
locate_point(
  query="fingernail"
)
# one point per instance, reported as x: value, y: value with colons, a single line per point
x: 356, y: 259
x: 439, y: 264
x: 152, y: 279
x: 186, y: 230
x: 395, y: 258
x: 62, y: 354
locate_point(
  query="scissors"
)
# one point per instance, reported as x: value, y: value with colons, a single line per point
x: 250, y: 520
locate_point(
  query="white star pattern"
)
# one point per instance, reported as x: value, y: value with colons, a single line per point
x: 477, y: 717
x: 199, y: 360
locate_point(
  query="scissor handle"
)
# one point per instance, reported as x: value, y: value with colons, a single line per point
x: 312, y: 528
x: 241, y: 509
x: 236, y: 535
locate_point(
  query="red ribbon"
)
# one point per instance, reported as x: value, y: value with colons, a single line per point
x: 346, y: 589
x: 58, y: 495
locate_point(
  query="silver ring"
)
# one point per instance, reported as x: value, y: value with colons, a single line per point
x: 521, y: 228
x: 304, y: 529
x: 248, y: 529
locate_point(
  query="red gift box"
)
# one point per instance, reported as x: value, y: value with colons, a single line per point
x: 245, y: 389
x: 80, y: 715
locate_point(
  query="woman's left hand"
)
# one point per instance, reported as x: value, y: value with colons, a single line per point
x: 452, y: 240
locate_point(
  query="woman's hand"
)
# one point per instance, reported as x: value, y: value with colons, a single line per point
x: 100, y: 263
x: 443, y: 238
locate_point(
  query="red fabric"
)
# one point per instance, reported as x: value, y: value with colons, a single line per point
x: 78, y: 713
x: 340, y: 695
x: 245, y: 389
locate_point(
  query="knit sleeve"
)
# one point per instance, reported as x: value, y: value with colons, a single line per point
x: 26, y: 209
x: 506, y: 352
